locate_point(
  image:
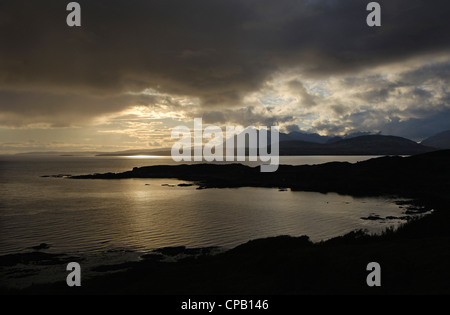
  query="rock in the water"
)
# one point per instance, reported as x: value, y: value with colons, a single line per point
x: 372, y: 217
x: 152, y: 257
x: 171, y: 251
x: 40, y: 246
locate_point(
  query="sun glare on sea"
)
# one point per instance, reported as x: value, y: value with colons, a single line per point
x: 146, y: 157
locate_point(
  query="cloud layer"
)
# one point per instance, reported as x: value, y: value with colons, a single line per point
x: 314, y: 64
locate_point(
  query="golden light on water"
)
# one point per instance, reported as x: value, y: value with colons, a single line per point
x: 146, y: 157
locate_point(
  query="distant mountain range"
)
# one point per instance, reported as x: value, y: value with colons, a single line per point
x: 301, y: 143
x: 316, y: 138
x: 439, y: 141
x: 298, y: 143
x: 362, y: 145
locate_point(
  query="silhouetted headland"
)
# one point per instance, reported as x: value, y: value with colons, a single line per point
x: 417, y: 175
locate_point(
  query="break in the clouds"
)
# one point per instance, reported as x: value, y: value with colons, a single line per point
x: 313, y: 65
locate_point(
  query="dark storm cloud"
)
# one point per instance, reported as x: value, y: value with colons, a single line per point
x: 305, y: 98
x: 245, y: 116
x: 65, y: 109
x: 218, y: 52
x: 181, y: 47
x: 214, y: 50
x: 419, y: 128
x: 375, y: 94
x: 422, y: 75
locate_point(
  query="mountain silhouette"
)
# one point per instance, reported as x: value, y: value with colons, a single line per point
x: 439, y: 141
x: 362, y: 145
x: 290, y: 144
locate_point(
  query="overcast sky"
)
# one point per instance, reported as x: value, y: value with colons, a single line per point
x: 135, y: 69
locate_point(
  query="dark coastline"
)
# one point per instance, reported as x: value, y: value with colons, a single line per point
x: 414, y: 258
x: 419, y: 176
